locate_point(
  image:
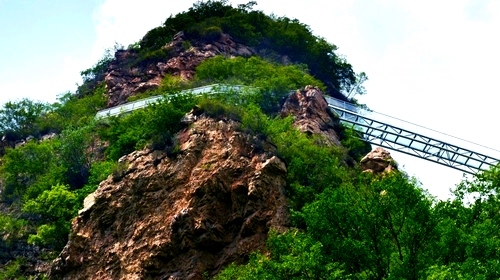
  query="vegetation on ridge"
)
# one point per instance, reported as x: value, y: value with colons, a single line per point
x: 273, y: 38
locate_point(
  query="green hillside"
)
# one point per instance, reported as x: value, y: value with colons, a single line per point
x: 347, y: 224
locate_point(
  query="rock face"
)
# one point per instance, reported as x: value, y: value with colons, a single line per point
x: 124, y: 79
x: 312, y: 115
x: 179, y: 216
x: 378, y: 161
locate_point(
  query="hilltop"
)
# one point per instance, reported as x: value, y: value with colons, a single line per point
x: 261, y: 183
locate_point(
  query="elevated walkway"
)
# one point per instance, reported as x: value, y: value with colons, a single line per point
x: 139, y: 104
x: 415, y: 140
x: 375, y: 128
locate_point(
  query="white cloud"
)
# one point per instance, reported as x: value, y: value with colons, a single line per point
x: 127, y: 21
x: 440, y: 74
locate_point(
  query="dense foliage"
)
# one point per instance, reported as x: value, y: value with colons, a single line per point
x: 155, y: 125
x: 384, y: 228
x: 273, y: 81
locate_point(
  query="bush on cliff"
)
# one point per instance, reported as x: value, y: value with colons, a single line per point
x: 153, y: 125
x: 273, y: 81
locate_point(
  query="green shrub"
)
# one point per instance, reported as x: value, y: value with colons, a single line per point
x: 55, y: 204
x: 211, y: 33
x: 169, y: 85
x: 218, y: 109
x: 11, y: 230
x: 351, y: 140
x: 156, y: 38
x: 119, y: 171
x: 99, y: 171
x: 13, y: 269
x: 148, y: 57
x: 293, y: 255
x: 155, y: 125
x: 94, y: 76
x: 73, y: 110
x: 186, y: 45
x: 23, y: 166
x: 56, y: 207
x: 273, y: 81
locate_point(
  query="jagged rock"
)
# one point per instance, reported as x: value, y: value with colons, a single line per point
x: 378, y: 161
x: 20, y: 143
x: 8, y: 141
x: 123, y: 80
x: 312, y: 115
x: 178, y: 217
x: 48, y: 136
x: 191, y: 116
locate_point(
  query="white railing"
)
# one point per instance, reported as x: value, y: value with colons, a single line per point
x: 139, y: 104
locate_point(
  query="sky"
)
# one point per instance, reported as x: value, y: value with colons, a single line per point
x: 433, y: 63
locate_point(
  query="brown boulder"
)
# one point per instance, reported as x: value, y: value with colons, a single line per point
x: 378, y: 161
x: 312, y: 115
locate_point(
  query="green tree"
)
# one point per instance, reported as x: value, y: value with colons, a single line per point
x: 23, y: 166
x: 77, y: 150
x: 468, y: 228
x: 56, y: 207
x: 357, y: 88
x: 375, y: 227
x: 274, y: 38
x: 73, y: 110
x: 294, y: 255
x: 21, y: 119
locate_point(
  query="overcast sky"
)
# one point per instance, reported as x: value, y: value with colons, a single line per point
x: 434, y: 63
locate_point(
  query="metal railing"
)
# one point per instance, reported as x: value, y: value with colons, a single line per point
x: 139, y: 104
x: 375, y: 128
x: 409, y: 138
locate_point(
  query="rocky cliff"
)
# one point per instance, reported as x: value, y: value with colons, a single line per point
x: 183, y: 215
x: 177, y: 217
x: 312, y: 115
x: 124, y: 79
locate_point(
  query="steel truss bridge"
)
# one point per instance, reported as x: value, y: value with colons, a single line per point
x: 381, y: 130
x: 374, y: 128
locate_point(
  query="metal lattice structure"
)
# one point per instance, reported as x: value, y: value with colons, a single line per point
x: 408, y: 142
